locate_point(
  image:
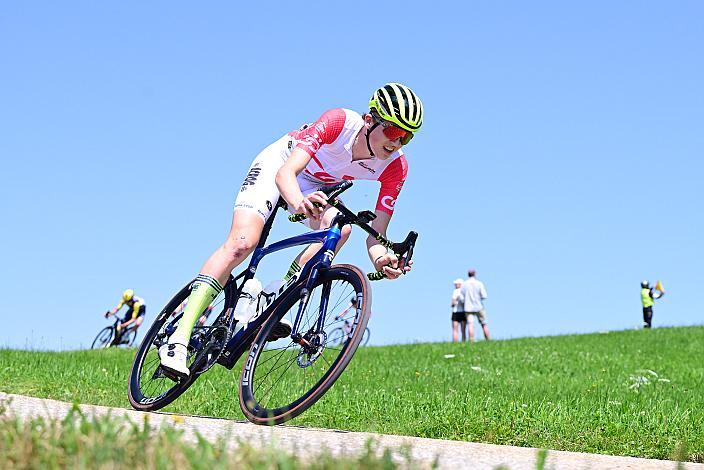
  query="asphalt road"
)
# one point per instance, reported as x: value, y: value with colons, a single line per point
x: 310, y: 441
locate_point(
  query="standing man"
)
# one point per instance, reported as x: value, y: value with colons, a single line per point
x: 647, y: 298
x: 474, y: 294
x: 459, y: 318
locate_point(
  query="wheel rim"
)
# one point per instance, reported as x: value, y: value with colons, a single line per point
x: 103, y: 339
x: 148, y: 384
x: 285, y: 374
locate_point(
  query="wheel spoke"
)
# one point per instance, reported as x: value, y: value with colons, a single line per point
x: 283, y: 375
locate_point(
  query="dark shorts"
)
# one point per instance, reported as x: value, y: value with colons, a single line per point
x: 141, y: 313
x: 459, y: 316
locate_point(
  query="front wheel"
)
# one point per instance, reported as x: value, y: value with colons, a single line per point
x: 104, y: 338
x: 281, y: 379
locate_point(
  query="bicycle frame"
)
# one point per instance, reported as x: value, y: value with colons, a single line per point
x: 329, y: 237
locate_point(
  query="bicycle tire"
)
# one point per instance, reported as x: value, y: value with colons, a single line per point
x: 129, y: 338
x: 255, y: 373
x: 365, y: 337
x: 338, y: 336
x: 104, y: 338
x: 146, y: 362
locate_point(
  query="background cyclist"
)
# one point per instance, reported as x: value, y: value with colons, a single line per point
x: 340, y: 145
x: 136, y: 309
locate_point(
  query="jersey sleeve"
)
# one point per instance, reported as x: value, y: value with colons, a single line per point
x: 392, y: 179
x: 323, y: 131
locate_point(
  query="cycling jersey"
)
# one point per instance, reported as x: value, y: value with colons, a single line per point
x: 136, y: 307
x: 329, y: 142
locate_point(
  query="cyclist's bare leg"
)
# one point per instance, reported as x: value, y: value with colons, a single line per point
x: 325, y: 221
x: 244, y: 235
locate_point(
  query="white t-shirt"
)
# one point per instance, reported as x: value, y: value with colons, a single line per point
x: 474, y: 293
x: 458, y: 301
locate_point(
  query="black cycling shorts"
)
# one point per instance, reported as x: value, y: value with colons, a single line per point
x: 141, y: 313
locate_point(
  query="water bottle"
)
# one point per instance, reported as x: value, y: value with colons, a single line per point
x: 269, y: 293
x: 246, y: 307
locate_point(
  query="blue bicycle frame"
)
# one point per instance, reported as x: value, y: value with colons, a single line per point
x: 329, y: 237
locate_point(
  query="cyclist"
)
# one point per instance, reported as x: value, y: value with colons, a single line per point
x: 136, y: 309
x: 340, y: 145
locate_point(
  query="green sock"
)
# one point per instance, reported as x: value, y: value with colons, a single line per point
x: 203, y: 292
x: 292, y: 270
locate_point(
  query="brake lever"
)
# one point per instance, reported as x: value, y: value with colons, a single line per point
x: 404, y: 250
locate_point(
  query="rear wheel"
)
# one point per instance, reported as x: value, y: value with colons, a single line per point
x: 149, y: 388
x: 283, y: 378
x: 129, y: 337
x: 104, y: 338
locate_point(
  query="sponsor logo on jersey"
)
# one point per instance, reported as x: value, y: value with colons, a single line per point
x: 364, y: 165
x: 268, y: 205
x: 388, y: 202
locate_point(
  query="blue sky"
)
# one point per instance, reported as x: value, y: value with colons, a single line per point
x: 561, y: 155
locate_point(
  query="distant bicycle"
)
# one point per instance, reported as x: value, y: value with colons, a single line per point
x: 340, y: 335
x: 108, y: 336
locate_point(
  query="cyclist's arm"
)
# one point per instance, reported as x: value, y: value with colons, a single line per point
x: 381, y: 258
x: 291, y: 192
x: 115, y: 310
x: 135, y: 308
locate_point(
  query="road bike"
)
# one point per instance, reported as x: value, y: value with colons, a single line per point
x: 281, y: 378
x: 339, y: 335
x: 108, y: 337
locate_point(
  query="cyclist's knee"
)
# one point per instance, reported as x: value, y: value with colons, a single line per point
x: 345, y: 233
x: 239, y: 248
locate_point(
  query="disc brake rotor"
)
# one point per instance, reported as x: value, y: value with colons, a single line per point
x: 309, y: 354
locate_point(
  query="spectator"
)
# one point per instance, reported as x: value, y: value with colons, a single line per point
x: 647, y: 297
x: 459, y: 318
x: 474, y: 294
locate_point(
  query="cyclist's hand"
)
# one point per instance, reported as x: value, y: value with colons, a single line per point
x: 107, y: 314
x: 390, y: 265
x: 308, y: 205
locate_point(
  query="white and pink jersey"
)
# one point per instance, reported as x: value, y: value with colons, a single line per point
x: 329, y: 143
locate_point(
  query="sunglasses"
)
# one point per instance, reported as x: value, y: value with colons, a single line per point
x: 393, y: 132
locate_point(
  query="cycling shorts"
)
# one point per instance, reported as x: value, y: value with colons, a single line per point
x: 128, y: 316
x: 259, y: 192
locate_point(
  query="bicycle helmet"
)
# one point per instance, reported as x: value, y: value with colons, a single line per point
x: 645, y: 284
x: 127, y: 295
x: 397, y: 104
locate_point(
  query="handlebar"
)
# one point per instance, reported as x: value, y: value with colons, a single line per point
x: 331, y: 191
x: 404, y: 249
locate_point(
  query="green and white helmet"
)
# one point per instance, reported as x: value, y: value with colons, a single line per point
x: 399, y: 104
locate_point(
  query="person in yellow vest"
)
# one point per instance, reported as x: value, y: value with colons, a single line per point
x: 647, y: 297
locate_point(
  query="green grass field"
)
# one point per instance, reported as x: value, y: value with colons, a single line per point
x: 635, y: 393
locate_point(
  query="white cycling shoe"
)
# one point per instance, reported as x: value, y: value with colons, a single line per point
x: 173, y: 359
x: 281, y: 330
